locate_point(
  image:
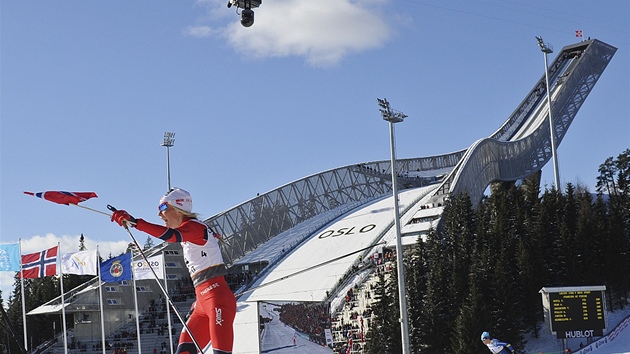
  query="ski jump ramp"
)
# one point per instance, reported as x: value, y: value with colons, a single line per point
x: 328, y: 221
x: 518, y: 149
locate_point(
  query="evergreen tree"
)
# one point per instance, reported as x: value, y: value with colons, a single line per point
x: 458, y: 239
x: 473, y: 314
x: 457, y: 242
x: 551, y: 244
x: 382, y: 336
x: 148, y: 243
x: 529, y: 260
x: 4, y: 333
x: 506, y: 306
x: 587, y: 241
x: 40, y: 291
x: 416, y: 271
x: 606, y: 183
x: 568, y: 229
x: 613, y: 179
x: 131, y: 247
x: 36, y: 292
x: 82, y: 243
x: 600, y: 216
x: 14, y: 312
x: 393, y: 328
x: 436, y: 324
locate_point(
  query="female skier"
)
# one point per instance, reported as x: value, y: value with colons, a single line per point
x: 214, y: 309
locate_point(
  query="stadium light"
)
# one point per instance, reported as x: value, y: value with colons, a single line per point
x: 169, y: 141
x: 546, y: 49
x: 393, y: 116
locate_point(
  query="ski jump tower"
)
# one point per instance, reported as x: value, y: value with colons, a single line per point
x: 518, y: 149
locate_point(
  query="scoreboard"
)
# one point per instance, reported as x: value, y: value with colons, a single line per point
x: 575, y: 312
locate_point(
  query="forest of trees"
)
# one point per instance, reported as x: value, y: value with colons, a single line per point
x: 482, y: 271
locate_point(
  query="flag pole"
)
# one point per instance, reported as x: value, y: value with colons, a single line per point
x: 135, y: 301
x: 168, y: 308
x: 63, y: 305
x: 90, y: 209
x: 100, y: 300
x: 23, y: 298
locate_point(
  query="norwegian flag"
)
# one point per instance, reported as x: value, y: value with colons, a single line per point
x: 40, y: 264
x: 61, y: 197
x: 578, y: 33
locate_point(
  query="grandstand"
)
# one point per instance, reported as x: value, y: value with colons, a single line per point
x: 321, y: 239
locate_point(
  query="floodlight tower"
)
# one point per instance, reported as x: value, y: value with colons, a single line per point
x: 169, y: 141
x: 546, y: 49
x: 393, y: 116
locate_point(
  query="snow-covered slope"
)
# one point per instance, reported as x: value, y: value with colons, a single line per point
x: 617, y: 340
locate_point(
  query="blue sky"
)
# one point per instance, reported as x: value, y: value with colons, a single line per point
x: 88, y: 88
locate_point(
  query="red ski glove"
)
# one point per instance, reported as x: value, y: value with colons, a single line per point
x: 121, y: 216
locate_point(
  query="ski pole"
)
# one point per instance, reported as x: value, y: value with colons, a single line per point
x: 94, y: 210
x: 181, y: 319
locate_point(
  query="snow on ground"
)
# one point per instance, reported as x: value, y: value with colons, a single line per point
x: 278, y: 338
x: 620, y: 344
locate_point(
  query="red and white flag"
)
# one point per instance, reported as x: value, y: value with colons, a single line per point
x: 40, y: 264
x: 578, y: 33
x: 61, y: 197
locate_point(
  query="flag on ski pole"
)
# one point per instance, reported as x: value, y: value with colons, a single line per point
x: 10, y: 257
x: 40, y: 264
x: 81, y: 263
x: 61, y: 197
x: 116, y: 269
x: 68, y: 198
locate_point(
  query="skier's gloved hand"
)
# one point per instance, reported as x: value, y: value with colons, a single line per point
x: 121, y: 216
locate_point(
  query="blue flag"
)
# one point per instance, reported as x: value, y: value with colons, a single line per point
x: 117, y: 269
x: 10, y: 257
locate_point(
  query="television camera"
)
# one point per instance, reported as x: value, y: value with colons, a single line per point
x: 247, y: 14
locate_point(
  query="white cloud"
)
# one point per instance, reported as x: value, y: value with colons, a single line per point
x: 71, y: 244
x: 198, y: 31
x: 321, y: 31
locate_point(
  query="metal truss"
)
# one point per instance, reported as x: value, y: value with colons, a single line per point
x: 323, y: 195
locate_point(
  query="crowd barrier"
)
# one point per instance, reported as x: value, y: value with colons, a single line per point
x: 605, y: 339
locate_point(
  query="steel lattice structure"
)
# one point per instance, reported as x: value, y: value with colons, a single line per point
x: 518, y: 149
